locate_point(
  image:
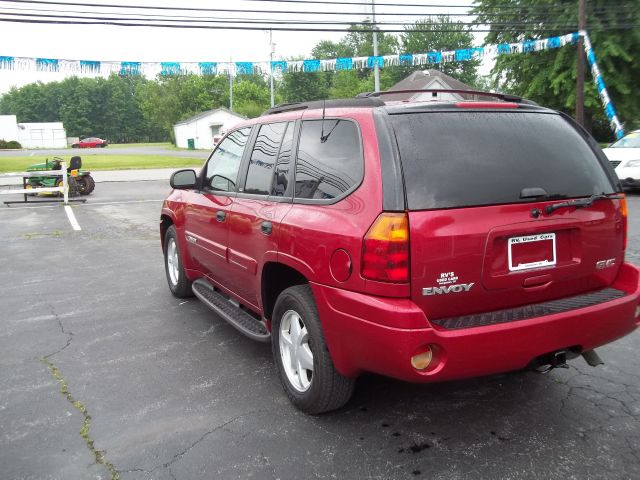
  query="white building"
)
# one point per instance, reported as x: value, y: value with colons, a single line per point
x: 33, y: 135
x: 202, y: 128
x: 8, y: 128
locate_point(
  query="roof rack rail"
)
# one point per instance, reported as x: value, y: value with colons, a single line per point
x: 363, y: 102
x: 285, y: 107
x: 502, y: 96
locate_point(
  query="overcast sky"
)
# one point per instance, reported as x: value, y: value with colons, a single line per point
x: 143, y: 44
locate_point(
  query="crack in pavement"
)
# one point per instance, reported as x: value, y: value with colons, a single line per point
x: 597, y: 397
x: 99, y: 455
x: 181, y: 454
x: 68, y: 334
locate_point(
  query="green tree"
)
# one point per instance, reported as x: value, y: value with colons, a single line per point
x: 348, y: 84
x: 303, y: 86
x: 172, y: 98
x: 108, y: 108
x: 439, y: 33
x: 250, y: 97
x: 549, y: 77
x: 359, y: 43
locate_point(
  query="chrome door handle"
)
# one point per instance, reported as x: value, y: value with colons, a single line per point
x: 221, y: 216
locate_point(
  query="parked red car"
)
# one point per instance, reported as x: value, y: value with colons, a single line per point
x: 90, y: 142
x: 423, y: 241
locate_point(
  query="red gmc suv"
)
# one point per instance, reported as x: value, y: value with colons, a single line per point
x: 425, y: 241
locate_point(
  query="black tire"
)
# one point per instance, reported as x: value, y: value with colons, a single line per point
x: 74, y: 189
x: 328, y: 390
x: 86, y: 184
x: 82, y: 185
x: 75, y: 146
x: 180, y: 286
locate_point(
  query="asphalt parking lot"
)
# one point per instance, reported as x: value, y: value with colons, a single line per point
x: 105, y: 375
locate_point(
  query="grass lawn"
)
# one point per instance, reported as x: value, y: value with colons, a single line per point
x: 104, y: 162
x: 129, y: 145
x: 166, y: 145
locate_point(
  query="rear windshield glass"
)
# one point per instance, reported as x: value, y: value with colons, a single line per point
x: 458, y: 159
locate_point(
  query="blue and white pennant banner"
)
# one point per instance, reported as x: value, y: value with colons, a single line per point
x: 152, y: 69
x: 609, y: 109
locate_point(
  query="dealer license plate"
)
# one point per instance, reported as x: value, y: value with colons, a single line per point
x: 532, y: 251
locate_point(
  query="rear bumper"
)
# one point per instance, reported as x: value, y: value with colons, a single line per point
x: 361, y: 337
x: 629, y: 176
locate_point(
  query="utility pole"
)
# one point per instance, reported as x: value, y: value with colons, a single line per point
x: 376, y: 68
x: 580, y: 67
x: 230, y: 84
x: 273, y: 50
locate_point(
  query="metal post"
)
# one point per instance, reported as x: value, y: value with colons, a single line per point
x: 376, y: 68
x: 580, y: 65
x: 230, y: 85
x: 65, y: 183
x: 273, y: 49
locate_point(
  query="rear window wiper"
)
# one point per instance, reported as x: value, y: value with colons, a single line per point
x: 580, y: 203
x: 539, y: 194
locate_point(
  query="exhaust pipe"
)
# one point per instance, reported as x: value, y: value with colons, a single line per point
x: 592, y: 358
x: 545, y: 363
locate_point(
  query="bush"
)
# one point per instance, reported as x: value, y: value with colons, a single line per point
x: 12, y: 144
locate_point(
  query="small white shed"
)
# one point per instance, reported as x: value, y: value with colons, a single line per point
x: 33, y: 135
x: 202, y: 128
x: 42, y: 135
x: 8, y: 127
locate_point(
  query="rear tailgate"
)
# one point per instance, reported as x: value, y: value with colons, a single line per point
x: 479, y: 241
x: 460, y: 258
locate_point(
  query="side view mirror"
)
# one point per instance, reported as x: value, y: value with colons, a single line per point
x: 183, y: 179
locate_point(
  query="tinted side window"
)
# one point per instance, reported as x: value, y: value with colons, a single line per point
x: 223, y: 166
x: 329, y: 159
x: 280, y: 179
x: 263, y: 158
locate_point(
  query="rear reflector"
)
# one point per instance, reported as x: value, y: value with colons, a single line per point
x: 422, y: 357
x: 486, y: 105
x: 385, y: 249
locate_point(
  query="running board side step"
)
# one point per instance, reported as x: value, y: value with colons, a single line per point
x: 238, y: 318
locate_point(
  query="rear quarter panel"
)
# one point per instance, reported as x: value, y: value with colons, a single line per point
x: 310, y: 234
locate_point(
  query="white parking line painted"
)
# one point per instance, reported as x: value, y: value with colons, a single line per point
x: 72, y: 218
x: 10, y: 209
x: 124, y: 202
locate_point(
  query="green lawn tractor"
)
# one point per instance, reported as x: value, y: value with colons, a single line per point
x: 80, y: 182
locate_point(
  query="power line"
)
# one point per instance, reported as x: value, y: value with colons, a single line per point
x: 399, y: 22
x: 178, y: 19
x: 284, y: 28
x: 244, y: 21
x: 382, y: 4
x: 232, y: 10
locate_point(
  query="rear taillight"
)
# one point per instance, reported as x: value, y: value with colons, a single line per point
x: 385, y: 250
x: 623, y: 214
